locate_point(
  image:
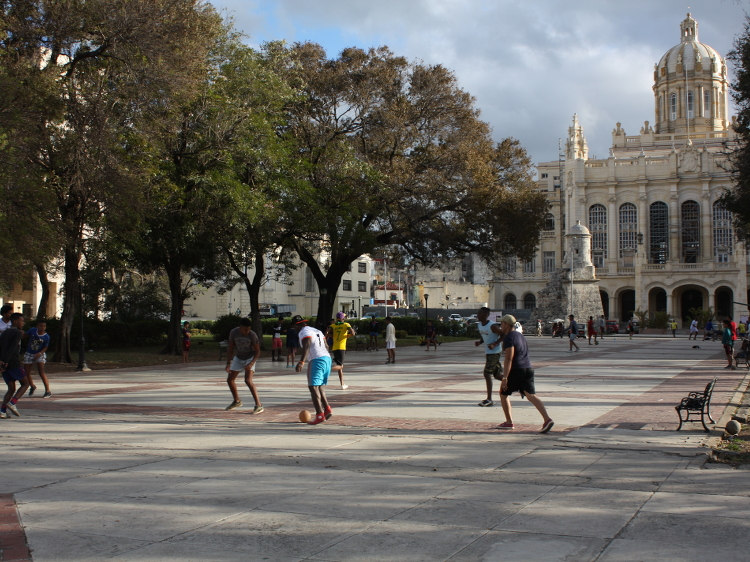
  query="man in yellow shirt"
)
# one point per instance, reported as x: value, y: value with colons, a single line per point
x: 340, y: 331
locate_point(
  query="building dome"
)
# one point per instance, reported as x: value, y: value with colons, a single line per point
x: 689, y: 52
x: 579, y: 230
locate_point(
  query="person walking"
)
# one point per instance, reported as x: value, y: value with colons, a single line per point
x: 539, y: 327
x: 572, y: 334
x: 631, y: 328
x: 10, y: 365
x: 673, y: 327
x: 591, y: 331
x: 602, y: 326
x: 708, y: 330
x: 733, y: 327
x: 242, y: 353
x: 315, y: 352
x: 518, y: 375
x: 390, y: 340
x: 36, y: 354
x: 186, y: 335
x: 276, y: 341
x: 693, y: 330
x: 292, y: 343
x: 373, y: 327
x: 728, y: 343
x: 491, y: 336
x: 340, y: 331
x: 430, y: 336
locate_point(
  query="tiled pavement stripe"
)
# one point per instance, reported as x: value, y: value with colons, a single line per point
x: 106, y: 391
x: 655, y: 407
x: 13, y: 544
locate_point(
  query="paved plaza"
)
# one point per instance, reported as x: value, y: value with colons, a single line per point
x: 145, y: 464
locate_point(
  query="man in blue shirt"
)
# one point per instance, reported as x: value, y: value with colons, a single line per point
x: 518, y: 375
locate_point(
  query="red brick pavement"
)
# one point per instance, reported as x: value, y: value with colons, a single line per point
x: 13, y: 544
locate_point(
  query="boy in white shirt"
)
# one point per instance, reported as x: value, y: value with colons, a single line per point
x: 390, y: 340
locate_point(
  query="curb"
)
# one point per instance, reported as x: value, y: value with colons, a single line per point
x: 734, y: 403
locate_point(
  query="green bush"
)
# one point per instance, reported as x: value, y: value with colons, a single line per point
x: 400, y: 334
x: 202, y: 325
x: 107, y: 333
x: 223, y: 325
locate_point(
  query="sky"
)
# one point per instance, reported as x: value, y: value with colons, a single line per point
x: 530, y: 64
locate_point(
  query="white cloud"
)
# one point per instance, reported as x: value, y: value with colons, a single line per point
x: 531, y: 64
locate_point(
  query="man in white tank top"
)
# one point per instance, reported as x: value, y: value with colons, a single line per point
x: 491, y: 340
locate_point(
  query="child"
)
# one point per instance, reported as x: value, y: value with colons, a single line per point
x: 36, y: 352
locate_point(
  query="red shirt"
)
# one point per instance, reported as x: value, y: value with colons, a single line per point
x: 733, y: 327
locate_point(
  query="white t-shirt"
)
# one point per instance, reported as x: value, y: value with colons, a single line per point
x: 317, y: 342
x: 4, y: 325
x: 390, y: 333
x: 694, y: 326
x: 488, y: 336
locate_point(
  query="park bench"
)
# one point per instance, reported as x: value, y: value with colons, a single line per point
x: 697, y: 403
x: 360, y: 342
x: 223, y: 345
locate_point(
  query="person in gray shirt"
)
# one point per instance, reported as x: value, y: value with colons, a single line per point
x: 242, y: 353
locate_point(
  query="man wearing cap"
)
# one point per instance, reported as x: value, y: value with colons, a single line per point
x: 490, y: 334
x: 315, y: 353
x: 340, y: 331
x: 242, y: 353
x: 518, y: 374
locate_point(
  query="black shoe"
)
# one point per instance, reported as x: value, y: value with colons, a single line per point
x: 31, y: 391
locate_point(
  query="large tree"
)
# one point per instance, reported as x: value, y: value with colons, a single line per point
x: 102, y: 72
x: 395, y: 153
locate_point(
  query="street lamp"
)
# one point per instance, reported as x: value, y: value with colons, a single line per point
x: 426, y: 296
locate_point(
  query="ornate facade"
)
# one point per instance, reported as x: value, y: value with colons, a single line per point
x: 660, y: 238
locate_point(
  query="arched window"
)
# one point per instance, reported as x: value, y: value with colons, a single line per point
x: 672, y: 107
x: 723, y: 233
x: 529, y: 302
x: 706, y: 103
x: 510, y: 301
x: 690, y: 112
x: 598, y: 229
x: 691, y: 231
x: 628, y: 228
x: 658, y: 228
x: 549, y: 222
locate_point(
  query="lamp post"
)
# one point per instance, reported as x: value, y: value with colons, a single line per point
x: 82, y: 367
x: 426, y: 296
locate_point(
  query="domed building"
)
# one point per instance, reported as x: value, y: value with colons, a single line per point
x: 660, y: 238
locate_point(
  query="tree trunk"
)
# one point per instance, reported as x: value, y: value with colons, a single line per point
x: 72, y: 297
x: 41, y: 313
x: 253, y: 288
x: 174, y: 336
x: 328, y: 290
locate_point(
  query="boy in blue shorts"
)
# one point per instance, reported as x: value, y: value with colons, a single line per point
x: 36, y: 353
x: 315, y: 351
x: 10, y: 365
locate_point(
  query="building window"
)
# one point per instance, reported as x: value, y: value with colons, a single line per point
x: 598, y: 228
x: 509, y: 266
x: 628, y: 228
x: 658, y: 228
x: 691, y: 231
x: 706, y: 103
x: 362, y: 286
x: 529, y: 302
x: 545, y: 176
x: 362, y: 267
x: 346, y: 285
x: 690, y: 105
x: 510, y: 301
x: 549, y: 222
x: 530, y: 266
x: 309, y: 281
x: 548, y: 265
x: 723, y: 233
x: 673, y: 107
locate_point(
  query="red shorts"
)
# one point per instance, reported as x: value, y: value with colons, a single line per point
x: 185, y: 345
x: 276, y: 343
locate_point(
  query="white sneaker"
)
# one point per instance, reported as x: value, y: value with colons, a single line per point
x: 344, y: 386
x: 570, y: 351
x: 12, y: 408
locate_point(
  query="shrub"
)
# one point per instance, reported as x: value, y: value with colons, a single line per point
x: 223, y: 325
x: 400, y: 334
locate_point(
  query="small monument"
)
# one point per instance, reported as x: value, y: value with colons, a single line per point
x: 555, y: 299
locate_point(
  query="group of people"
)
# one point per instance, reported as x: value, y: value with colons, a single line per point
x: 17, y: 369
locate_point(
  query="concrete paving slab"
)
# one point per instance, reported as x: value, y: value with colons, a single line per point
x: 170, y: 552
x: 501, y: 546
x: 698, y: 504
x: 542, y: 461
x: 696, y: 531
x: 587, y: 521
x: 63, y: 546
x: 622, y: 550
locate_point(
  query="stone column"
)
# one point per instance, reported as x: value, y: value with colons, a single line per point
x: 711, y: 300
x: 669, y: 301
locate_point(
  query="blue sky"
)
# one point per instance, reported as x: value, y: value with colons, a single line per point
x: 530, y: 64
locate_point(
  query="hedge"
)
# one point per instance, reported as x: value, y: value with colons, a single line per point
x: 107, y: 333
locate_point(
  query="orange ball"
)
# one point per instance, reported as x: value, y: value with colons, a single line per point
x: 305, y: 416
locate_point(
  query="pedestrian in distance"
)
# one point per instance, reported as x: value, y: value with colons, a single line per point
x: 292, y: 344
x: 430, y: 336
x: 186, y: 335
x: 319, y: 367
x: 733, y: 327
x: 242, y: 353
x: 5, y: 311
x: 36, y: 354
x: 673, y: 326
x: 276, y: 341
x: 373, y: 327
x: 591, y: 331
x: 518, y: 375
x: 340, y: 331
x: 708, y: 330
x: 491, y: 337
x: 728, y: 342
x: 631, y: 329
x: 693, y: 330
x: 602, y: 325
x: 572, y: 334
x: 539, y: 327
x: 10, y: 365
x: 390, y: 340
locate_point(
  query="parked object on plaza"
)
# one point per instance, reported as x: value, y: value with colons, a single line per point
x: 305, y: 416
x: 697, y: 403
x: 733, y: 427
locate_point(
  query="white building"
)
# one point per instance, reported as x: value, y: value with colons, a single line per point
x: 661, y: 241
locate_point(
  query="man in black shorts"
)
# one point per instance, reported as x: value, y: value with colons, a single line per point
x: 518, y: 375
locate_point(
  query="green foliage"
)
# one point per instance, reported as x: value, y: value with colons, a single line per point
x: 106, y: 333
x: 702, y: 315
x: 223, y: 325
x: 643, y: 317
x: 401, y: 334
x: 206, y: 325
x: 659, y: 320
